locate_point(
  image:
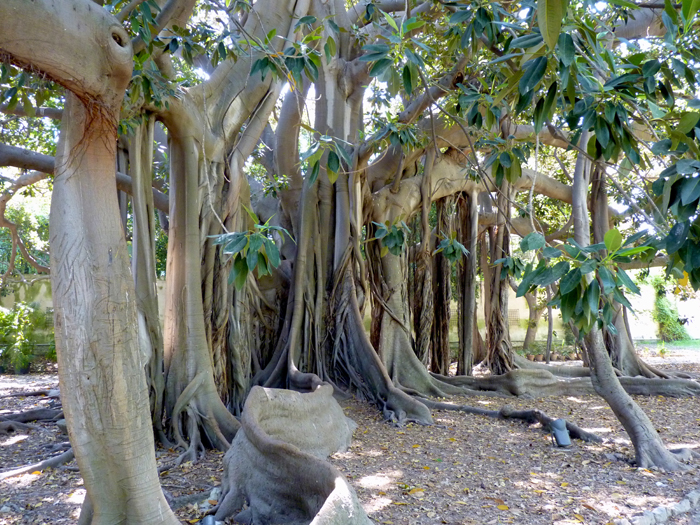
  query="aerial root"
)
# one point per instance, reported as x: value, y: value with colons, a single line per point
x: 507, y: 412
x: 53, y: 462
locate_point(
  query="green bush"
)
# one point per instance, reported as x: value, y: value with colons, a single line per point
x: 666, y: 314
x: 18, y: 331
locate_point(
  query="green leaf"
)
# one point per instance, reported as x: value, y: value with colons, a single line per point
x: 237, y: 244
x: 633, y: 251
x: 314, y: 172
x: 550, y: 14
x: 602, y: 132
x: 390, y: 20
x: 273, y: 253
x: 407, y: 80
x: 256, y: 242
x: 240, y: 272
x: 607, y: 278
x: 688, y: 121
x: 627, y: 282
x: 688, y: 9
x: 690, y: 191
x: 527, y: 41
x: 551, y: 253
x: 532, y: 241
x: 565, y: 49
x: 570, y: 281
x: 380, y: 66
x: 620, y: 298
x: 539, y: 115
x: 568, y: 305
x: 593, y: 296
x: 332, y: 166
x: 533, y: 74
x: 329, y: 48
x: 677, y: 236
x: 613, y: 240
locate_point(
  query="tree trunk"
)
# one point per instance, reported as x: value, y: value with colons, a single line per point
x: 468, y: 228
x: 144, y: 270
x: 534, y: 314
x: 442, y: 269
x: 649, y: 449
x: 499, y: 349
x: 101, y: 367
x: 191, y: 397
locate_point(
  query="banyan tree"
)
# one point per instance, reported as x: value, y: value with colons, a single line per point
x: 316, y: 163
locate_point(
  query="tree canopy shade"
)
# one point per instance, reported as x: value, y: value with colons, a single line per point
x: 498, y: 115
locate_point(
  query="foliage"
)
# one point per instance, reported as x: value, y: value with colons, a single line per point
x: 34, y: 230
x: 18, y: 328
x: 392, y: 236
x: 665, y: 313
x: 590, y: 279
x: 452, y: 249
x: 252, y: 250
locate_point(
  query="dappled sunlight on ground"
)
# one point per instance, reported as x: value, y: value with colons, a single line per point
x: 12, y: 440
x: 464, y: 470
x: 470, y: 469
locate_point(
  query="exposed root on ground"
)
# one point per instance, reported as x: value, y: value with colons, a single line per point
x: 528, y: 416
x: 540, y: 382
x: 35, y: 414
x: 193, y: 411
x: 12, y: 427
x: 52, y: 393
x: 53, y: 462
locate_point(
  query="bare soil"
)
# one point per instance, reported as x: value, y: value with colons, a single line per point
x: 465, y: 469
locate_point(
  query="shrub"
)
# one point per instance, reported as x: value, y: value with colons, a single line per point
x: 666, y: 315
x: 18, y: 329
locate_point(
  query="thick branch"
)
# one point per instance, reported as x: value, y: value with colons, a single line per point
x: 25, y: 159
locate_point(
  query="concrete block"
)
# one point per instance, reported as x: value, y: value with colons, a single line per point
x: 681, y: 507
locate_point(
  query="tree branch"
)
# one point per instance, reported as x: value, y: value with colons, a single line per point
x: 43, y: 164
x: 52, y: 113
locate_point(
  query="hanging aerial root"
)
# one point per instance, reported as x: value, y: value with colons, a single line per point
x: 528, y: 416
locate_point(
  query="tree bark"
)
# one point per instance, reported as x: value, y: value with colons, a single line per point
x: 101, y: 366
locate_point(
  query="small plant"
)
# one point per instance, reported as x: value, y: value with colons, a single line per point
x: 663, y: 352
x: 451, y: 248
x: 391, y: 236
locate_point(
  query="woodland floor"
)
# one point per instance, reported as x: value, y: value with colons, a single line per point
x: 466, y: 469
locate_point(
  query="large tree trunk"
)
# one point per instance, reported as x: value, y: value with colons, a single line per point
x: 144, y: 269
x: 101, y: 367
x: 190, y: 391
x: 442, y: 295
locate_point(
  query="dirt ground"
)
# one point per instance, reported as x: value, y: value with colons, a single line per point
x: 465, y: 469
